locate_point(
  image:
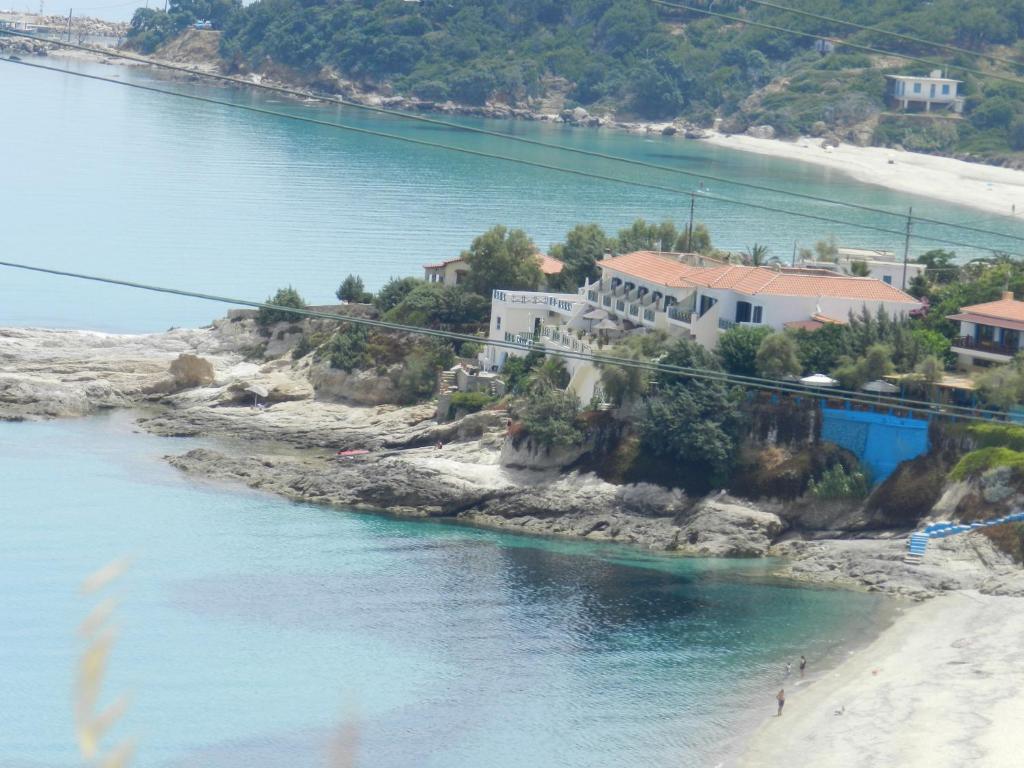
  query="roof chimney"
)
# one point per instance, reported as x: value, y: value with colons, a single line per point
x: 1008, y: 296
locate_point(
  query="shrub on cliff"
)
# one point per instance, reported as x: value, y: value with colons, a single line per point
x: 190, y: 371
x: 285, y: 297
x: 431, y: 305
x: 394, y: 292
x: 352, y: 290
x: 692, y: 422
x: 551, y: 418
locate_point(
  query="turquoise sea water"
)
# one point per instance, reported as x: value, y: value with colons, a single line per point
x: 250, y: 627
x: 99, y: 178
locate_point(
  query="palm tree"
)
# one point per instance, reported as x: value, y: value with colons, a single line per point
x: 860, y: 269
x: 549, y: 375
x: 756, y: 255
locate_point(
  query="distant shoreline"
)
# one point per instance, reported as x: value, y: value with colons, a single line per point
x: 988, y: 188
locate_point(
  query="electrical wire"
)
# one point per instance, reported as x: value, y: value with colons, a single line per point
x: 750, y: 382
x: 337, y: 100
x: 867, y: 48
x: 519, y: 161
x: 887, y: 33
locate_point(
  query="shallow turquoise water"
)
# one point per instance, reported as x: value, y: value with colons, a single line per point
x: 104, y: 179
x: 250, y: 627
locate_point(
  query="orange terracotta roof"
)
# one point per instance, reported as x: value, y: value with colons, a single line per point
x: 550, y: 265
x: 442, y: 264
x: 1003, y: 309
x: 664, y: 270
x: 652, y: 267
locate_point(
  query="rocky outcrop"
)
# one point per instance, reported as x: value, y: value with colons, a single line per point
x: 355, y: 387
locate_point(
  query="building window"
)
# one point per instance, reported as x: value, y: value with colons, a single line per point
x: 706, y: 303
x: 945, y: 89
x: 742, y: 311
x: 917, y: 87
x: 497, y: 327
x: 757, y: 315
x: 887, y: 279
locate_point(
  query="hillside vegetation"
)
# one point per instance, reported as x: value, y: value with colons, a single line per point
x: 634, y: 59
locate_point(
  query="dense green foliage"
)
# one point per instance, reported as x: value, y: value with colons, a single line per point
x: 469, y: 402
x: 737, y: 348
x: 285, y: 297
x: 584, y: 246
x: 433, y: 305
x: 502, y: 258
x: 692, y: 423
x: 633, y: 57
x: 837, y: 482
x: 394, y: 292
x: 551, y: 418
x: 352, y: 290
x: 980, y: 461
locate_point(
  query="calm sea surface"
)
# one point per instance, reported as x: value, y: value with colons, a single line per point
x: 250, y: 628
x: 104, y: 179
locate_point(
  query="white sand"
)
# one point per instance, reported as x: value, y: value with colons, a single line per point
x: 942, y: 688
x: 985, y: 187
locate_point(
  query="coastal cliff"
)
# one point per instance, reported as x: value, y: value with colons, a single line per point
x: 287, y: 446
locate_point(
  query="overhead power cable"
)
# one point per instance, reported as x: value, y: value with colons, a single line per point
x: 337, y: 100
x: 887, y: 33
x: 857, y: 46
x: 506, y: 158
x: 751, y: 382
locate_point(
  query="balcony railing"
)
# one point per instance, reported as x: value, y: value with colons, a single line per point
x: 995, y: 347
x: 682, y: 315
x: 516, y: 338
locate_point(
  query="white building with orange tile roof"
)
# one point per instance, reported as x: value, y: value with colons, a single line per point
x: 653, y: 290
x: 989, y: 333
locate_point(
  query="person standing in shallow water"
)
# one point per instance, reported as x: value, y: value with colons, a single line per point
x: 803, y: 665
x: 781, y: 698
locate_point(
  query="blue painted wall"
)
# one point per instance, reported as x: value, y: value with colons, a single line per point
x: 879, y: 440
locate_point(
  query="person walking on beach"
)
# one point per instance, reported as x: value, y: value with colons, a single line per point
x: 781, y: 698
x: 803, y: 666
x: 789, y: 670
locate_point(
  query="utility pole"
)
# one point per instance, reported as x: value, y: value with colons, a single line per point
x: 689, y: 227
x: 794, y: 253
x: 70, y: 10
x: 906, y: 245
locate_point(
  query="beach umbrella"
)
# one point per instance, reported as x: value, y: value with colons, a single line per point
x: 258, y: 391
x: 818, y: 380
x: 880, y: 387
x: 596, y: 314
x: 608, y: 325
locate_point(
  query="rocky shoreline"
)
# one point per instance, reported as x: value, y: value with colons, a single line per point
x: 288, y: 445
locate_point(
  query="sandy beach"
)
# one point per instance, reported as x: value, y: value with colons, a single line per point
x: 939, y: 688
x: 984, y: 187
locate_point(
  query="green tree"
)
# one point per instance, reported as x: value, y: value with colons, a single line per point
x: 940, y: 266
x: 516, y: 370
x: 394, y: 292
x: 756, y: 255
x: 860, y: 269
x: 433, y: 305
x: 692, y: 421
x: 502, y: 258
x: 549, y: 375
x: 346, y: 350
x: 351, y: 289
x: 623, y: 384
x: 737, y: 348
x: 551, y: 418
x: 1002, y: 387
x: 820, y: 350
x: 777, y: 357
x: 644, y: 235
x: 585, y: 245
x: 284, y: 298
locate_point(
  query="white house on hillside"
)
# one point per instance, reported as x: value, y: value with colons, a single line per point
x: 924, y: 94
x: 989, y: 333
x: 881, y: 265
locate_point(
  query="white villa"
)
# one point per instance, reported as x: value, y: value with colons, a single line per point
x: 882, y: 265
x: 924, y: 94
x: 683, y: 295
x: 989, y: 333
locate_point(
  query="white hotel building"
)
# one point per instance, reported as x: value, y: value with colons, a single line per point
x: 683, y: 295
